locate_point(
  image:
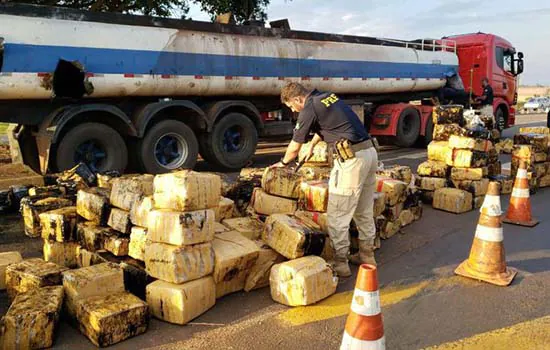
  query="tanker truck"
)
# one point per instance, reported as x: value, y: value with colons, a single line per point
x: 150, y: 94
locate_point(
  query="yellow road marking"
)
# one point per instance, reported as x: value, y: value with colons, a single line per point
x: 529, y: 335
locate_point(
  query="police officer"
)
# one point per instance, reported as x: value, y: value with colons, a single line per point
x: 352, y: 179
x: 486, y: 100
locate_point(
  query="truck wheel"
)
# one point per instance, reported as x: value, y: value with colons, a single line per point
x: 428, y: 134
x: 97, y: 145
x: 232, y: 141
x: 167, y: 146
x: 408, y: 128
x: 500, y: 118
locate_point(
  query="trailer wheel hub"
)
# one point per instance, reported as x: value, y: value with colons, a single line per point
x: 232, y: 139
x: 171, y: 151
x: 90, y: 153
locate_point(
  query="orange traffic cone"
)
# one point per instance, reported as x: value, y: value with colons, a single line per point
x: 519, y: 211
x: 364, y: 328
x: 486, y: 261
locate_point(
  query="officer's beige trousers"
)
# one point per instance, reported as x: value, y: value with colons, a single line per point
x: 351, y: 196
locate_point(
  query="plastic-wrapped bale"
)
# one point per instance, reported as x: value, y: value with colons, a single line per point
x: 394, y: 190
x: 427, y: 196
x: 544, y: 181
x: 88, y: 258
x: 282, y: 182
x: 179, y: 264
x: 379, y: 203
x: 321, y: 219
x: 442, y: 132
x: 541, y: 157
x: 432, y: 168
x: 92, y: 236
x: 117, y: 244
x: 398, y: 172
x: 32, y: 274
x: 448, y: 114
x: 267, y: 204
x: 93, y: 204
x: 406, y: 217
x: 119, y: 220
x: 390, y: 228
x: 248, y: 227
x: 430, y: 183
x: 64, y: 254
x: 314, y: 196
x: 478, y: 202
x: 97, y: 280
x: 32, y: 319
x: 59, y: 224
x: 439, y: 151
x: 179, y: 229
x: 538, y: 141
x: 6, y: 259
x: 234, y: 256
x: 107, y: 320
x: 460, y: 174
x: 139, y: 213
x: 467, y: 159
x: 258, y: 275
x: 291, y: 237
x: 534, y: 130
x: 224, y: 210
x: 47, y: 191
x: 453, y: 200
x: 127, y: 190
x: 220, y: 228
x: 138, y: 237
x: 187, y: 190
x: 505, y: 146
x: 475, y: 187
x: 470, y: 143
x: 105, y: 179
x: 31, y: 208
x: 181, y: 303
x: 320, y: 154
x: 506, y: 183
x: 392, y: 213
x: 302, y: 281
x: 314, y: 173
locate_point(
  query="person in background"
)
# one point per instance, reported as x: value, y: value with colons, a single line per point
x: 486, y: 100
x: 353, y: 177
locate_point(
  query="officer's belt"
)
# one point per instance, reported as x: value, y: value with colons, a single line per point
x: 361, y: 146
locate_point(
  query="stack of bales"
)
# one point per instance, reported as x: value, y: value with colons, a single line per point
x: 531, y: 146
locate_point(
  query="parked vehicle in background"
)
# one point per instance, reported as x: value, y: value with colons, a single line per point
x: 536, y: 105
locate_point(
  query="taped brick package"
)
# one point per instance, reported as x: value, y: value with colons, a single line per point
x: 47, y: 191
x: 406, y: 217
x: 248, y: 227
x: 314, y: 173
x: 534, y: 130
x: 320, y: 154
x: 219, y: 228
x: 432, y: 168
x: 459, y: 174
x: 475, y: 187
x: 6, y: 259
x: 127, y: 190
x: 267, y: 204
x: 379, y: 203
x: 320, y: 219
x: 258, y: 275
x: 439, y: 151
x: 392, y: 213
x: 430, y: 183
x: 179, y: 229
x: 139, y: 213
x: 224, y: 210
x: 541, y: 157
x: 314, y: 196
x: 453, y: 200
x: 466, y: 158
x: 394, y: 190
x: 505, y: 146
x: 303, y: 281
x: 91, y: 236
x: 448, y: 114
x: 390, y: 228
x: 117, y: 245
x: 59, y: 224
x: 470, y: 143
x: 398, y: 172
x: 32, y: 274
x: 119, y: 220
x: 544, y: 181
x: 138, y: 239
x: 538, y: 141
x: 64, y: 254
x: 93, y: 204
x: 282, y: 182
x: 442, y: 132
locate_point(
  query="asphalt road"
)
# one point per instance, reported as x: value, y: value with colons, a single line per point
x: 423, y: 303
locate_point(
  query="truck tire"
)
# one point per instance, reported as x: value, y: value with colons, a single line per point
x: 500, y: 118
x: 97, y: 145
x: 408, y: 128
x: 168, y: 145
x: 428, y: 133
x: 232, y: 142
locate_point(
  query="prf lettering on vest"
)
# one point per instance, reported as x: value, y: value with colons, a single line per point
x: 330, y: 100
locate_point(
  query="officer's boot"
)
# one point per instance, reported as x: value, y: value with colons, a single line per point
x: 365, y: 256
x: 341, y: 265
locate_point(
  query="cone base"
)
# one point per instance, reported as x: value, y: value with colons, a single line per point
x: 531, y: 223
x: 499, y: 279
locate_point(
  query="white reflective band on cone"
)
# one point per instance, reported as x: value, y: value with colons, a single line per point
x: 520, y: 192
x: 491, y: 205
x: 365, y: 303
x: 350, y: 343
x: 522, y: 174
x: 490, y: 234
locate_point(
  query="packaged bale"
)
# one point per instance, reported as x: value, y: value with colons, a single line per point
x: 291, y: 237
x: 432, y: 168
x: 138, y: 237
x: 127, y: 190
x: 234, y: 256
x: 267, y: 204
x: 107, y: 320
x: 224, y: 210
x: 541, y: 157
x: 105, y: 179
x: 506, y: 183
x: 378, y: 207
x: 478, y: 202
x: 64, y: 254
x: 442, y: 132
x: 538, y: 141
x: 281, y: 182
x: 390, y: 228
x: 139, y: 213
x: 398, y: 172
x: 544, y: 181
x: 439, y: 151
x: 523, y: 152
x: 93, y: 204
x: 453, y: 200
x: 314, y: 196
x: 448, y: 114
x: 505, y: 146
x: 92, y: 236
x: 430, y: 183
x: 179, y: 264
x: 31, y: 208
x: 88, y: 258
x: 179, y: 229
x: 117, y: 244
x: 467, y: 159
x: 32, y: 319
x: 258, y: 275
x: 181, y: 303
x: 539, y: 169
x: 406, y: 217
x: 320, y: 154
x: 59, y: 224
x: 461, y: 174
x: 187, y: 190
x: 321, y: 219
x: 475, y: 187
x: 302, y: 281
x: 220, y: 228
x: 392, y: 213
x: 6, y: 259
x: 248, y: 227
x: 119, y: 220
x: 32, y: 274
x: 470, y: 143
x: 395, y: 190
x: 47, y: 191
x: 312, y: 173
x: 534, y: 130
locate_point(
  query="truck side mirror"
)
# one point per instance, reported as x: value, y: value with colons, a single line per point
x: 520, y: 67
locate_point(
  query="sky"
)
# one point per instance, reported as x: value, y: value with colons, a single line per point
x: 526, y: 23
